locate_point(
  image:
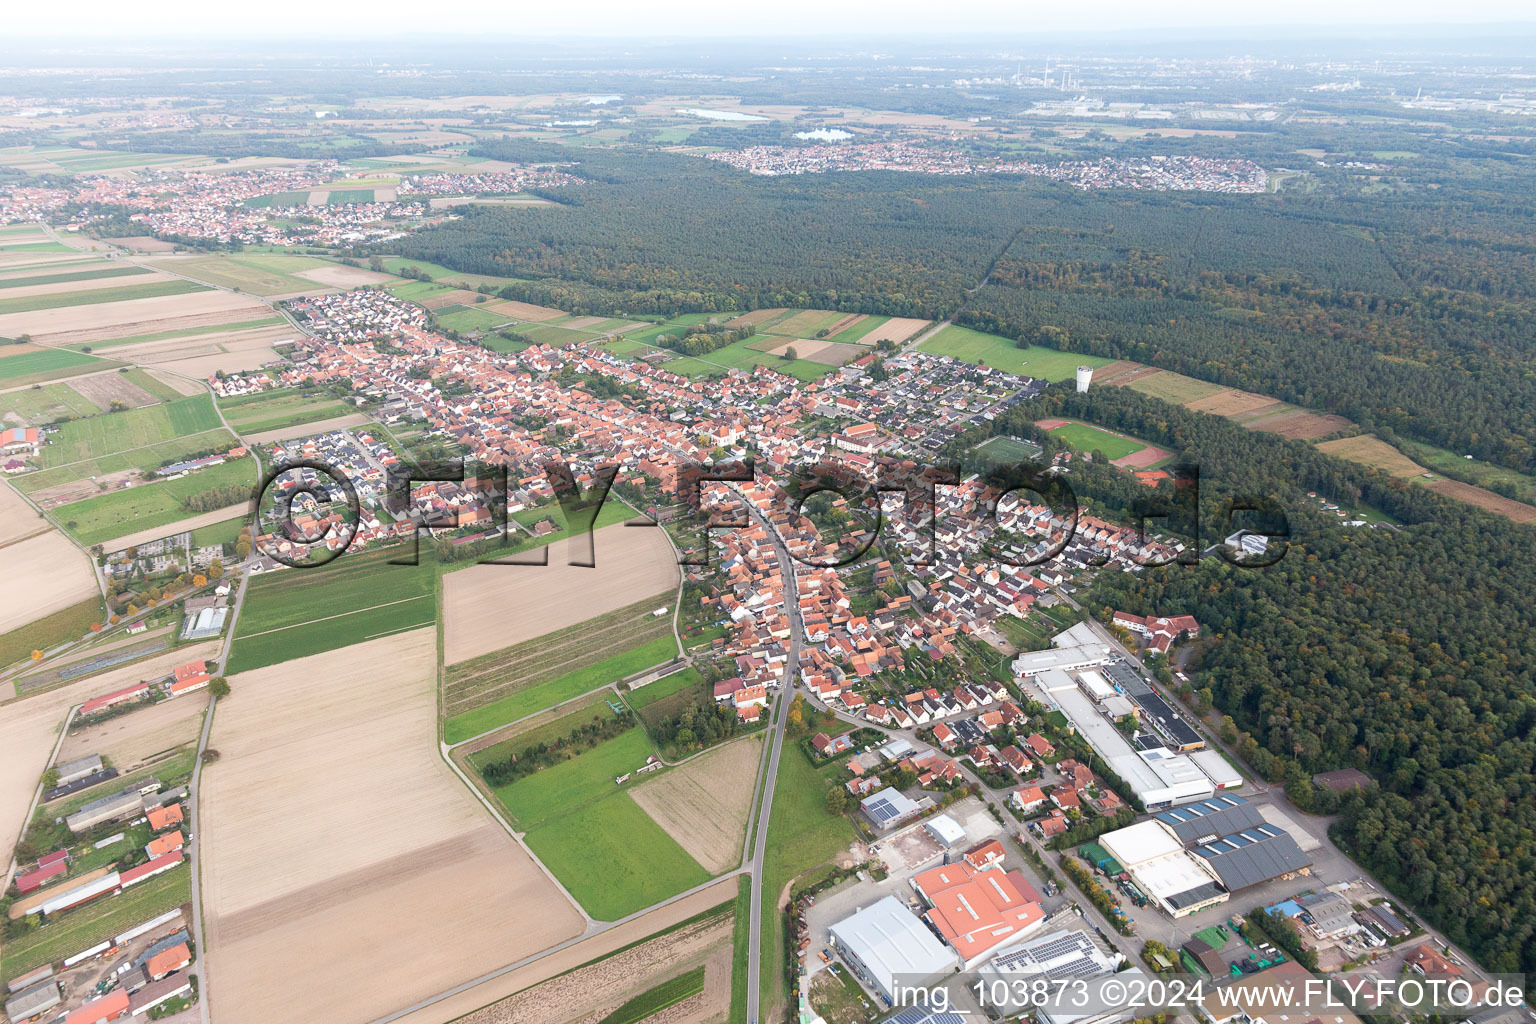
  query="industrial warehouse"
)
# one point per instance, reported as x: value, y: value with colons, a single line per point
x: 1165, y: 763
x: 1196, y: 856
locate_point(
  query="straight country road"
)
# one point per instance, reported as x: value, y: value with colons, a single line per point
x: 775, y: 748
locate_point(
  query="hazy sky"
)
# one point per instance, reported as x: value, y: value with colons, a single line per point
x: 298, y: 19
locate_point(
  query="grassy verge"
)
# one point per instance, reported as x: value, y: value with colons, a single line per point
x: 68, y: 624
x: 741, y: 947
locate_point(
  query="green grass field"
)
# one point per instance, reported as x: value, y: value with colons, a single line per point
x: 57, y: 300
x: 662, y: 688
x: 547, y: 728
x: 850, y: 335
x: 1007, y: 451
x: 738, y: 356
x: 292, y: 613
x: 801, y: 836
x: 547, y: 694
x: 99, y: 436
x: 111, y: 515
x: 46, y: 404
x: 741, y: 949
x: 73, y: 275
x: 270, y: 410
x: 225, y: 533
x: 546, y: 334
x: 1086, y: 438
x: 256, y: 273
x: 70, y: 623
x: 164, y: 392
x: 578, y: 819
x: 349, y: 195
x: 278, y: 199
x: 147, y: 459
x: 1034, y: 361
x: 465, y: 319
x: 82, y: 928
x: 26, y: 367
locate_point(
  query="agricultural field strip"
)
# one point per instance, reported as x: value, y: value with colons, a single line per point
x: 340, y: 615
x: 509, y: 670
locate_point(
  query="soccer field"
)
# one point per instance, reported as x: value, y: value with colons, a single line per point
x: 1086, y: 438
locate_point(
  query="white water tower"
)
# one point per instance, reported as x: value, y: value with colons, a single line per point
x: 1084, y: 378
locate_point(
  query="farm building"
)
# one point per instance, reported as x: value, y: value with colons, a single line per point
x: 884, y: 942
x: 100, y: 1011
x: 165, y: 844
x: 157, y: 866
x: 20, y: 441
x: 152, y: 995
x: 111, y: 700
x: 74, y: 771
x: 189, y: 677
x: 116, y: 806
x: 107, y: 885
x: 30, y: 1002
x: 168, y: 961
x: 161, y: 818
x: 34, y: 879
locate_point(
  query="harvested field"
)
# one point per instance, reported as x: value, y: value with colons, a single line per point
x: 128, y: 317
x: 143, y: 243
x: 70, y: 325
x: 43, y: 574
x: 827, y: 353
x: 1107, y: 374
x: 200, y: 356
x: 105, y: 388
x: 94, y: 284
x: 308, y: 429
x: 1132, y: 376
x: 1230, y: 402
x: 1370, y: 451
x: 452, y: 297
x: 392, y: 846
x: 177, y: 382
x: 1175, y: 388
x: 1300, y: 425
x: 897, y: 329
x: 491, y: 607
x: 17, y: 520
x: 29, y: 728
x: 582, y: 323
x: 807, y: 322
x: 524, y: 310
x: 756, y: 317
x: 1496, y: 503
x: 344, y: 276
x: 490, y: 996
x: 596, y: 990
x: 704, y: 805
x: 142, y: 738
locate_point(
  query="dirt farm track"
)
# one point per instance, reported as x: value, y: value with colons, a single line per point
x: 343, y: 856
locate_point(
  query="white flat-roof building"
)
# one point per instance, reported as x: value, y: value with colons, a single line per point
x: 1158, y: 777
x: 1064, y: 658
x: 890, y: 949
x: 946, y: 830
x: 1162, y: 868
x: 1220, y: 771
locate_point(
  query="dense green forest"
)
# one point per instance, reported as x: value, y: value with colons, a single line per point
x: 1402, y: 315
x: 659, y: 233
x: 1408, y: 653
